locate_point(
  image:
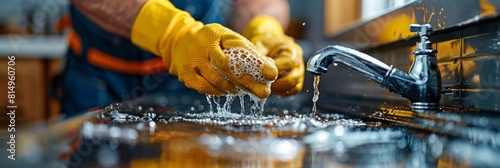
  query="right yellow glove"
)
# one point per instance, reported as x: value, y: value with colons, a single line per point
x: 268, y: 35
x: 209, y: 58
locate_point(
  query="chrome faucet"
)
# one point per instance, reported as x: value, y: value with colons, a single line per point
x: 421, y: 85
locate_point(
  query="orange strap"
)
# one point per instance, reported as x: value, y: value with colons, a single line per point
x: 75, y: 43
x: 104, y: 60
x: 107, y: 61
x: 63, y: 23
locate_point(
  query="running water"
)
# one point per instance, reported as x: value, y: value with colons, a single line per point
x: 242, y: 103
x: 209, y: 100
x: 316, y: 95
x: 223, y: 105
x: 241, y: 61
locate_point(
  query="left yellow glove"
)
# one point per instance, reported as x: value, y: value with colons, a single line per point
x: 209, y: 58
x: 266, y: 33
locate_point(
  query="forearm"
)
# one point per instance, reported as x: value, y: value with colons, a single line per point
x: 245, y: 10
x: 115, y: 16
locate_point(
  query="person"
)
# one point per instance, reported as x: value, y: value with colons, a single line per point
x: 124, y: 49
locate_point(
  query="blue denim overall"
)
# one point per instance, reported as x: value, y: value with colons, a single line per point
x: 86, y: 85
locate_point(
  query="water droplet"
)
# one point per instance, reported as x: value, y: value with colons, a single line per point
x: 377, y: 114
x: 107, y: 157
x: 285, y: 111
x: 339, y: 130
x: 284, y: 150
x: 114, y: 132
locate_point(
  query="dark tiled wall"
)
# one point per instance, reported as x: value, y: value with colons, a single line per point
x: 480, y: 66
x: 468, y: 58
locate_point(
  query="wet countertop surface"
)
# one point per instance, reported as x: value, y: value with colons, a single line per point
x: 142, y: 134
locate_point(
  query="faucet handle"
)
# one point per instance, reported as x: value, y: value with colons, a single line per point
x: 423, y: 30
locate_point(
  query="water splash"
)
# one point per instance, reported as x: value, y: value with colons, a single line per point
x: 316, y: 94
x: 242, y: 103
x: 300, y: 123
x: 223, y: 104
x: 209, y: 97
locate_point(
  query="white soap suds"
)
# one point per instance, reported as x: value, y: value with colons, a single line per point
x: 243, y: 61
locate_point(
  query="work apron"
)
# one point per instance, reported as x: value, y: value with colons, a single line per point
x: 103, y: 68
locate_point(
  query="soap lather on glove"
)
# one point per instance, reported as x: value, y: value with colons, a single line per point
x: 209, y: 58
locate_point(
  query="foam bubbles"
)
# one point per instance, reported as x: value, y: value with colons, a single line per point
x: 243, y: 61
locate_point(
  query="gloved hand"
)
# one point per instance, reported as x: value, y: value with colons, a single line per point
x: 267, y: 34
x: 209, y: 58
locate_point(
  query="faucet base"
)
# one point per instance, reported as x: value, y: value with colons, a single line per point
x: 424, y: 107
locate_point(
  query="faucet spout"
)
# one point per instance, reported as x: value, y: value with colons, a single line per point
x: 421, y: 85
x: 351, y: 59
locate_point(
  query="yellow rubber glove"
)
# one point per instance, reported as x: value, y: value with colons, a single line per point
x: 267, y: 34
x: 209, y: 58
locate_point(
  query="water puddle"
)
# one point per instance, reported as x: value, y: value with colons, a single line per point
x: 218, y: 138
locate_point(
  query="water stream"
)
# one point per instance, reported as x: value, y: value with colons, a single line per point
x: 316, y: 94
